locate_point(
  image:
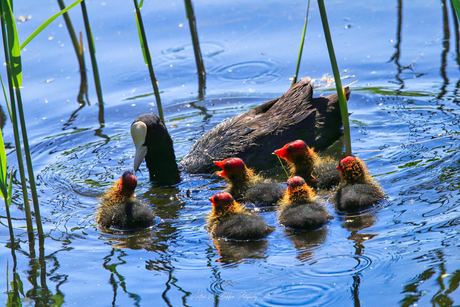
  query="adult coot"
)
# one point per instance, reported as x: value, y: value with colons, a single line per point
x: 255, y: 134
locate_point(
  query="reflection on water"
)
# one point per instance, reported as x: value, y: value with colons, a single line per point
x: 404, y: 125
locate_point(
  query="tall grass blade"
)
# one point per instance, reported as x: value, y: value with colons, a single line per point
x: 294, y: 79
x: 196, y: 47
x: 15, y: 76
x: 47, y: 22
x: 147, y: 58
x: 456, y: 4
x: 338, y: 82
x: 3, y: 184
x: 92, y: 52
x: 141, y: 41
x: 13, y: 44
x: 5, y: 11
x: 30, y: 168
x: 73, y: 36
x: 83, y: 92
x: 6, y: 97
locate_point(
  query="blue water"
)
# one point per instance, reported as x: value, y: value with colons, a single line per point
x: 404, y: 122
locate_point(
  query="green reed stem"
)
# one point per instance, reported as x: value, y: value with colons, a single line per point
x: 92, y: 50
x: 8, y: 217
x: 196, y: 46
x: 6, y: 189
x: 456, y: 4
x: 30, y: 169
x: 338, y: 82
x: 282, y: 165
x: 4, y: 10
x: 6, y: 97
x: 46, y: 23
x: 294, y: 79
x: 148, y: 59
x: 73, y: 36
x: 15, y: 75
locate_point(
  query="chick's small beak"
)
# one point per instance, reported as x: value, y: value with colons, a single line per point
x: 221, y: 165
x: 279, y: 153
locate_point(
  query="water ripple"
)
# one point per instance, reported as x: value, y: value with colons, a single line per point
x: 318, y: 294
x: 252, y: 72
x: 186, y: 53
x: 339, y: 265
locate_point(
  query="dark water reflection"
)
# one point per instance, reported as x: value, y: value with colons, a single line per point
x: 404, y: 123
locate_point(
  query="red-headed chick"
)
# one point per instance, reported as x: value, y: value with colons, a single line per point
x: 228, y: 219
x: 298, y: 209
x: 357, y: 190
x: 303, y: 161
x: 245, y: 186
x: 121, y: 210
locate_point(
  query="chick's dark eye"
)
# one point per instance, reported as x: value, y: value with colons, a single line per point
x: 152, y: 131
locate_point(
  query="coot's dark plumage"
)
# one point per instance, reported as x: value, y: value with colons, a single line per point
x: 153, y: 142
x: 229, y: 220
x: 299, y: 209
x: 246, y: 186
x: 303, y: 161
x: 120, y: 209
x: 255, y: 134
x: 357, y: 190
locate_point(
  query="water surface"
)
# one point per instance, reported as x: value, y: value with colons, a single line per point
x: 404, y: 122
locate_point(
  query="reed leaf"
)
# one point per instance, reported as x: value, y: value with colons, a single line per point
x: 4, y: 4
x: 13, y: 43
x: 92, y: 50
x: 294, y: 79
x: 338, y: 82
x: 3, y: 184
x: 196, y: 47
x: 141, y: 41
x: 46, y: 23
x: 12, y: 56
x: 148, y: 59
x: 6, y: 97
x: 456, y: 4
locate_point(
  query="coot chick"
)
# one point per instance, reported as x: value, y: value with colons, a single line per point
x: 120, y: 209
x: 357, y: 190
x: 244, y: 185
x: 153, y: 142
x: 303, y: 161
x: 229, y: 220
x: 255, y: 134
x: 298, y: 209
